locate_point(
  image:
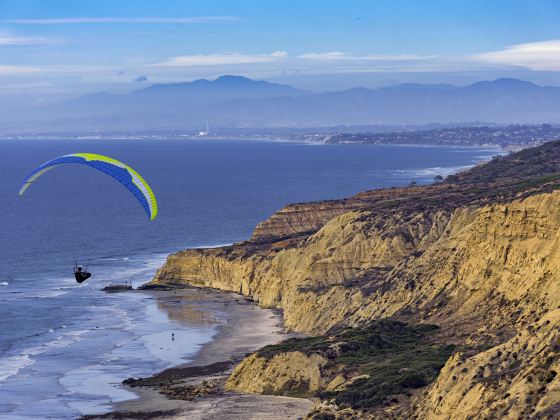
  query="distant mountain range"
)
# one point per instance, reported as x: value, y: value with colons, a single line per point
x: 235, y: 101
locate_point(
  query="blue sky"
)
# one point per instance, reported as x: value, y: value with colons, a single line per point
x: 51, y: 50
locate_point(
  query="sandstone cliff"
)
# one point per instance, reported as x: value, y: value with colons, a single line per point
x: 478, y: 256
x: 293, y: 373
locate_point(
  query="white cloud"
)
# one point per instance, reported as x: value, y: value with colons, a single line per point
x: 280, y: 57
x: 332, y: 55
x: 79, y: 20
x: 221, y: 59
x: 543, y: 55
x: 9, y: 70
x: 339, y: 56
x: 7, y: 39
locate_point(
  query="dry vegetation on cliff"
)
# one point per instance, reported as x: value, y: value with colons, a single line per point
x: 477, y: 255
x: 377, y: 356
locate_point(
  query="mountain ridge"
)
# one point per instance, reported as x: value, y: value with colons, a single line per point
x: 239, y: 102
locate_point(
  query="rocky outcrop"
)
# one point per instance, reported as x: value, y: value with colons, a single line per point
x: 291, y: 374
x: 301, y: 218
x: 479, y: 256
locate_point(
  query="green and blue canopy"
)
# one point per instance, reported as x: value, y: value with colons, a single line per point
x: 118, y: 170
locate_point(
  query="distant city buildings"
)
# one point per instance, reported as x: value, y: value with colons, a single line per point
x: 205, y: 133
x: 512, y: 136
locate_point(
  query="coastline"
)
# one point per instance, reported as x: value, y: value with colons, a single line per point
x: 82, y: 385
x: 247, y: 328
x: 195, y: 389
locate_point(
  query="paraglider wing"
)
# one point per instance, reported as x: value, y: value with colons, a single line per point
x: 118, y: 170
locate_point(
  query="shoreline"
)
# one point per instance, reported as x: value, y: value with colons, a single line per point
x: 194, y: 389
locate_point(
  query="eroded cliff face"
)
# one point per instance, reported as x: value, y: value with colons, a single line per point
x: 487, y: 274
x: 441, y: 266
x: 516, y: 379
x: 317, y: 282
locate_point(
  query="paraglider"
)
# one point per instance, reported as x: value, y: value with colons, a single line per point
x: 80, y: 274
x: 123, y: 173
x: 118, y: 170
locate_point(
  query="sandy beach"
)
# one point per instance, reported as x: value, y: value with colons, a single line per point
x: 195, y: 390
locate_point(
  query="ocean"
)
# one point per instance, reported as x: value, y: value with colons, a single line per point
x: 64, y: 347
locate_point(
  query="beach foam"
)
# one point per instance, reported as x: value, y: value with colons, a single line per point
x: 10, y: 366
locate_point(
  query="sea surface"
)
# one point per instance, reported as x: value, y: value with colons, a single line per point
x: 64, y: 347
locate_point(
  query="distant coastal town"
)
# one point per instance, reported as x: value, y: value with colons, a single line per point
x: 509, y: 137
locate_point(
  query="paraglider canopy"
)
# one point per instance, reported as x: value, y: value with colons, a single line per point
x: 118, y: 170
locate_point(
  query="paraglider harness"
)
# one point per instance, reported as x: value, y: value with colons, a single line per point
x: 80, y: 275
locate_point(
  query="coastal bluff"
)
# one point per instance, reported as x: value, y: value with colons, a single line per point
x: 432, y: 302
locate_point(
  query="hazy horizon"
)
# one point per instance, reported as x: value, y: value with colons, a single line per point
x: 54, y: 51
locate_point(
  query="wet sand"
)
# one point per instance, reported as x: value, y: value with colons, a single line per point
x: 195, y: 390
